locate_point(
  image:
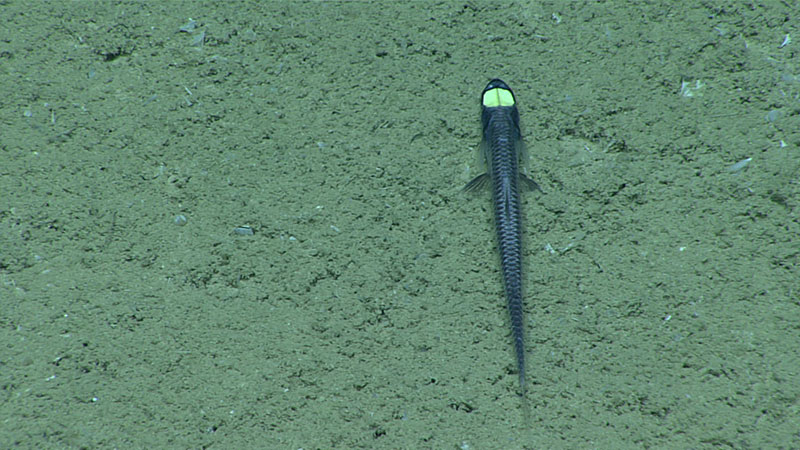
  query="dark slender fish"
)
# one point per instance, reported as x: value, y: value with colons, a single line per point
x: 502, y: 148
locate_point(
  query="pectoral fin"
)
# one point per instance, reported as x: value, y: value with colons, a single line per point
x: 528, y: 183
x: 477, y: 183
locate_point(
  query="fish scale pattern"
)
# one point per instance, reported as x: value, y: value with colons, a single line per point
x: 504, y: 159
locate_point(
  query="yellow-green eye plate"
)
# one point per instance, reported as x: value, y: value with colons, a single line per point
x: 498, y: 97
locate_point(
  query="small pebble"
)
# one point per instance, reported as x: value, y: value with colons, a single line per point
x: 198, y: 39
x: 180, y: 220
x: 189, y: 27
x: 773, y: 115
x: 739, y: 166
x: 243, y: 231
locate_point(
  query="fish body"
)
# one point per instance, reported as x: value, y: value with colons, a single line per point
x: 502, y: 149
